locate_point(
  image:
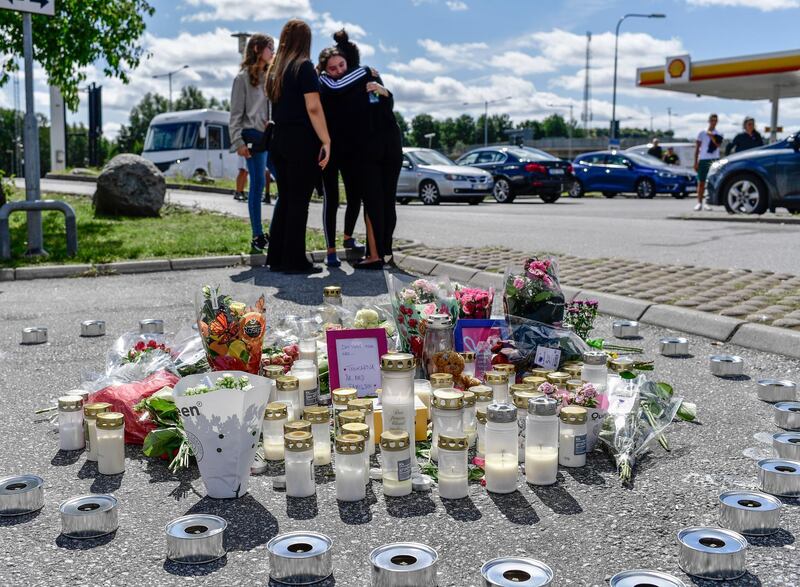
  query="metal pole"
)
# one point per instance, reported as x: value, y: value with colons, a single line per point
x: 669, y: 119
x: 773, y: 119
x: 569, y: 128
x: 486, y: 123
x: 170, y: 91
x: 613, y: 133
x: 31, y: 138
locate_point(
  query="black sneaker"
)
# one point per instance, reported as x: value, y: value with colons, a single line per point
x: 239, y: 196
x: 259, y: 243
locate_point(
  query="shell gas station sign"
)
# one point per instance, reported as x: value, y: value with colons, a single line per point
x: 678, y: 69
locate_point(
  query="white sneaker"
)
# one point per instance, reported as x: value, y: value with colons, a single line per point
x: 698, y: 207
x: 706, y: 207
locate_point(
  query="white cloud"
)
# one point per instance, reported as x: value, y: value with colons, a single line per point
x: 467, y: 55
x: 365, y: 49
x: 763, y: 5
x: 229, y: 10
x: 387, y: 48
x: 457, y: 5
x: 522, y: 63
x: 327, y: 25
x: 419, y: 66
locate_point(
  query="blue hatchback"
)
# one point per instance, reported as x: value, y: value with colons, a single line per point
x: 619, y: 172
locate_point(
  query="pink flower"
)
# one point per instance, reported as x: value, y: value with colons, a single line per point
x: 548, y: 388
x: 479, y: 462
x: 519, y: 283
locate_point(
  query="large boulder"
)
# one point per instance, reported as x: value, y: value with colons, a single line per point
x: 129, y: 185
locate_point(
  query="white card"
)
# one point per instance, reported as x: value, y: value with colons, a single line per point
x: 547, y: 357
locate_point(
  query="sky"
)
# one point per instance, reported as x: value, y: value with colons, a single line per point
x: 446, y: 57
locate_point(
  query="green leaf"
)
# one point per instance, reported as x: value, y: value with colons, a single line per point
x: 666, y: 388
x: 687, y: 412
x: 542, y: 296
x: 476, y: 473
x: 627, y: 375
x: 431, y: 470
x: 162, y: 442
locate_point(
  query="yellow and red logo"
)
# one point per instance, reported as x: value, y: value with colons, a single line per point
x: 676, y: 68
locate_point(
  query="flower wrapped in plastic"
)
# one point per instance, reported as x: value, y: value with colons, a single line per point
x: 232, y: 332
x: 413, y: 300
x: 474, y: 302
x: 222, y: 414
x: 534, y: 293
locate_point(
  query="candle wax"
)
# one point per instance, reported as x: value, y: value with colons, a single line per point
x: 453, y: 486
x: 541, y: 465
x: 501, y: 472
x: 273, y: 450
x: 394, y: 488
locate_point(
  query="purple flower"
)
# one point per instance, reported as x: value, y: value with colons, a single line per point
x: 548, y: 388
x: 519, y: 283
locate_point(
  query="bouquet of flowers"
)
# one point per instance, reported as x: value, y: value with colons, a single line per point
x: 413, y: 301
x: 474, y: 303
x: 586, y: 396
x: 534, y: 293
x: 367, y: 318
x: 231, y: 331
x: 141, y: 348
x: 580, y: 314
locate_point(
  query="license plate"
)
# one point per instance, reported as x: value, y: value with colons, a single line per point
x: 556, y: 172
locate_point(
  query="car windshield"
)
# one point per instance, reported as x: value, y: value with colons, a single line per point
x: 532, y: 154
x: 646, y: 160
x: 172, y: 136
x: 429, y: 157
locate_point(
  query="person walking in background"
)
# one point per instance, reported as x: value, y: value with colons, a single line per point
x: 248, y: 123
x: 301, y: 146
x: 655, y: 150
x: 749, y: 138
x: 241, y: 180
x: 671, y: 157
x: 706, y: 151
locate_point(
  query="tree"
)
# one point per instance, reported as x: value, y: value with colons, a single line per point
x: 555, y: 126
x: 131, y: 136
x: 421, y: 125
x: 81, y: 33
x: 401, y: 122
x: 192, y: 98
x: 534, y: 125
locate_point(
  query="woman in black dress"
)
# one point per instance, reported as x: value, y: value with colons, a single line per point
x: 300, y: 145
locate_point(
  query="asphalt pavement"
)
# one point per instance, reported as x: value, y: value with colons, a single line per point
x: 586, y: 527
x: 623, y: 227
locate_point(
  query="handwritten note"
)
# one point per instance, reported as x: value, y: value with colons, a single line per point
x: 358, y: 364
x: 547, y: 357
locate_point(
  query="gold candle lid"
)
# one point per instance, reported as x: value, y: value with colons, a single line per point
x: 316, y: 414
x: 469, y: 399
x: 332, y: 291
x: 574, y: 384
x: 558, y: 377
x: 356, y: 428
x: 398, y: 362
x: 350, y: 444
x: 441, y: 380
x: 298, y: 441
x: 342, y: 395
x: 534, y: 380
x: 276, y: 411
x: 110, y: 420
x: 574, y: 370
x: 363, y: 405
x: 447, y: 399
x: 70, y: 403
x: 297, y: 426
x: 620, y: 364
x: 287, y: 383
x: 483, y: 393
x: 495, y: 377
x: 394, y: 440
x: 522, y: 398
x: 508, y: 369
x: 517, y: 387
x: 573, y: 415
x: 455, y: 442
x: 468, y: 356
x: 273, y: 371
x: 540, y: 372
x: 480, y: 415
x: 90, y: 411
x: 351, y: 416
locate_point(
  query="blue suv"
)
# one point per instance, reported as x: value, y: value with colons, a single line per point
x: 754, y: 181
x: 618, y: 172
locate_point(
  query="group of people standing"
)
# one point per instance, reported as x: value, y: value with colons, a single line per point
x: 312, y: 123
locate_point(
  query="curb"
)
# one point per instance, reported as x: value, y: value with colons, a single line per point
x: 744, y: 219
x: 170, y: 186
x: 50, y: 271
x: 753, y: 336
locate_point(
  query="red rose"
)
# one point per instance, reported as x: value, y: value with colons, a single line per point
x: 139, y: 346
x: 228, y: 363
x: 412, y: 323
x: 401, y: 319
x: 416, y: 345
x: 151, y: 344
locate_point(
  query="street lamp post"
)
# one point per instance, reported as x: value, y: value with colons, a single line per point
x: 242, y: 39
x: 569, y: 126
x: 169, y: 75
x: 486, y: 115
x: 430, y: 136
x: 613, y: 133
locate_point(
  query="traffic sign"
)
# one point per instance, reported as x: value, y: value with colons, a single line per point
x: 45, y: 7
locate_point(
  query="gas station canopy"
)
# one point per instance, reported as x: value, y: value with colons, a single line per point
x: 769, y: 76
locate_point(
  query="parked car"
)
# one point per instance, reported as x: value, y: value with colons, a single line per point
x: 684, y: 151
x: 618, y: 172
x: 191, y: 143
x: 430, y: 176
x: 521, y: 171
x: 754, y: 181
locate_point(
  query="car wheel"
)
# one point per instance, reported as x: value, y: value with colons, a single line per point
x: 404, y: 201
x: 645, y: 189
x: 549, y: 198
x: 609, y: 194
x: 680, y: 195
x: 576, y: 189
x: 429, y: 193
x: 475, y: 201
x: 745, y: 194
x: 502, y: 191
x: 200, y: 175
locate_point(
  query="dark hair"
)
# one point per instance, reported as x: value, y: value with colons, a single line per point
x: 347, y: 49
x: 325, y: 55
x: 293, y: 50
x: 252, y: 54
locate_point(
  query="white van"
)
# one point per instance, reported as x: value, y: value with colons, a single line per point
x: 191, y: 143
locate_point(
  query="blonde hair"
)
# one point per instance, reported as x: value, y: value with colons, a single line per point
x: 294, y: 48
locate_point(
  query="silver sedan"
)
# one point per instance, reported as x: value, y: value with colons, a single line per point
x: 430, y: 176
